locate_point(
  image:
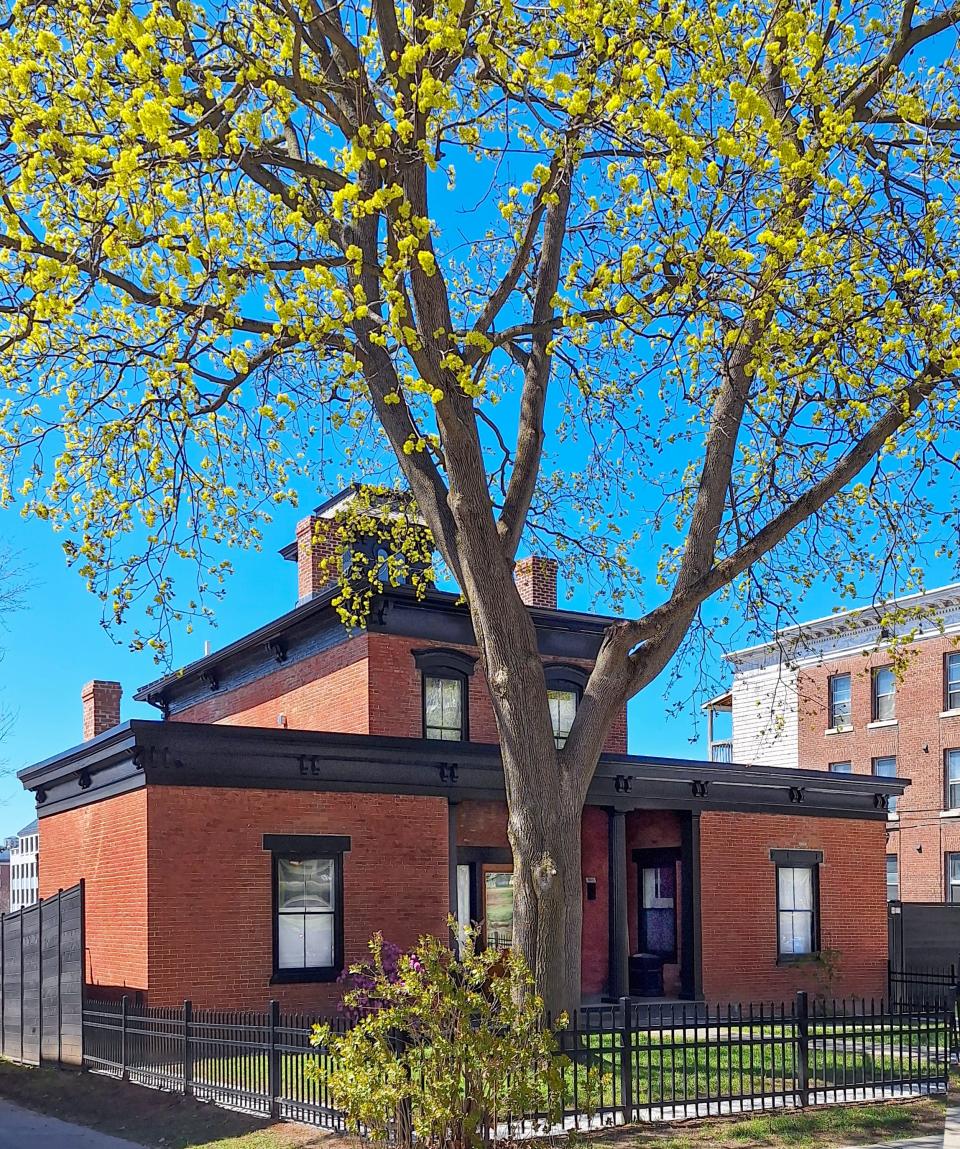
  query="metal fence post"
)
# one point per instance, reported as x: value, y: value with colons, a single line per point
x: 802, y: 1067
x: 626, y: 1060
x: 274, y: 1066
x: 123, y: 1038
x: 187, y: 1046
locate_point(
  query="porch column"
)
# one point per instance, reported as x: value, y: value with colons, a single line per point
x: 691, y: 945
x: 619, y: 928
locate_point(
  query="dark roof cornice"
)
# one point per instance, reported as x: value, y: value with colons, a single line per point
x: 141, y: 753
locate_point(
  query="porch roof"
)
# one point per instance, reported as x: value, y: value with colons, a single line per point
x: 140, y: 752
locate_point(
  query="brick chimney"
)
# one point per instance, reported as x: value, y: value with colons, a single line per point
x: 536, y: 579
x: 101, y: 707
x: 316, y: 541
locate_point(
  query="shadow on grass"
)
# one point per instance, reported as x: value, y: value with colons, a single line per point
x: 147, y: 1116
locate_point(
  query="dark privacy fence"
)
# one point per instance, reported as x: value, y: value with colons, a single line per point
x: 41, y: 981
x: 625, y: 1062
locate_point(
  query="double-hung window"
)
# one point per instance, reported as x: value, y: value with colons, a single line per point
x: 884, y: 694
x: 953, y: 878
x: 951, y: 682
x: 893, y: 878
x: 445, y: 675
x: 839, y: 701
x: 886, y: 768
x: 952, y: 760
x: 307, y: 906
x: 798, y: 903
x: 564, y: 687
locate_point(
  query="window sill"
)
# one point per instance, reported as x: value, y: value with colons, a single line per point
x: 949, y: 714
x: 882, y: 723
x: 839, y: 730
x: 893, y: 816
x: 303, y: 976
x: 799, y: 959
x: 951, y: 813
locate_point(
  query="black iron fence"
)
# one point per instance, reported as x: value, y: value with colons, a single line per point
x: 623, y: 1063
x: 923, y: 985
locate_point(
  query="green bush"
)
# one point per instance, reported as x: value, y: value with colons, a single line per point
x: 456, y: 1046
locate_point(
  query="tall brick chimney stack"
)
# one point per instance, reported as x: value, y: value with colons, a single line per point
x: 101, y: 707
x: 536, y: 579
x: 316, y: 541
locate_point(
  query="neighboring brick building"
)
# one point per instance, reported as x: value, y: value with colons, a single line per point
x: 310, y: 785
x: 825, y: 694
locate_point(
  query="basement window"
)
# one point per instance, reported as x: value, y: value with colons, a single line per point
x: 307, y: 906
x: 798, y: 903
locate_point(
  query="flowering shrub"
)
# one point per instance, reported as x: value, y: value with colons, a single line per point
x: 359, y: 981
x: 454, y: 1045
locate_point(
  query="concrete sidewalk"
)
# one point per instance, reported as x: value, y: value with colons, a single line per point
x: 22, y: 1129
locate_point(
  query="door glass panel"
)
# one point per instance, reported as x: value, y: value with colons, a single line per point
x: 658, y: 907
x: 498, y: 909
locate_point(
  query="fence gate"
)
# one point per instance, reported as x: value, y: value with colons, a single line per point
x: 41, y: 981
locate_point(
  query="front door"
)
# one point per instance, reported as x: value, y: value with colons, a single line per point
x: 657, y: 885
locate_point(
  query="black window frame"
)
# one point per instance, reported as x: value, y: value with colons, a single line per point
x: 946, y: 681
x: 562, y: 676
x: 320, y: 846
x: 874, y: 698
x: 831, y: 706
x: 453, y: 666
x: 797, y: 860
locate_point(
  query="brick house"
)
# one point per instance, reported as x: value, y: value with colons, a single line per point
x: 825, y: 694
x: 308, y: 785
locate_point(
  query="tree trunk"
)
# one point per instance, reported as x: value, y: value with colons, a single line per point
x: 544, y: 833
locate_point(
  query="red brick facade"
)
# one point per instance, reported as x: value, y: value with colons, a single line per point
x: 923, y: 833
x: 104, y: 844
x: 739, y: 909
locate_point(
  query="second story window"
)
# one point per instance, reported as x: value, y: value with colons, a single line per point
x: 839, y: 701
x: 446, y: 674
x: 564, y: 688
x: 840, y: 768
x: 884, y: 694
x: 443, y: 708
x: 953, y: 779
x: 951, y: 682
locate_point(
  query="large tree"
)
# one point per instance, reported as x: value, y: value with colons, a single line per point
x: 661, y: 285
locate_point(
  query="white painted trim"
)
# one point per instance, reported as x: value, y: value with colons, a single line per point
x: 881, y: 723
x: 839, y: 730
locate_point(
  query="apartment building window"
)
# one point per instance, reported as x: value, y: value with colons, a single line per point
x: 952, y: 758
x: 308, y: 906
x: 841, y: 768
x: 884, y: 694
x: 798, y: 903
x: 445, y: 694
x: 839, y: 701
x: 886, y: 768
x: 893, y: 878
x: 953, y: 878
x: 951, y: 682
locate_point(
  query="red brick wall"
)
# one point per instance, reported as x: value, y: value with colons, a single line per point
x: 106, y: 845
x: 396, y: 701
x: 738, y: 898
x: 211, y: 895
x: 327, y: 691
x: 918, y: 740
x: 595, y: 863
